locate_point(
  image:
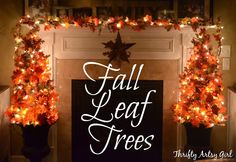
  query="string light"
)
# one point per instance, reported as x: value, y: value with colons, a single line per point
x: 118, y: 25
x: 145, y: 19
x: 205, y: 46
x: 63, y: 24
x: 160, y: 24
x: 126, y: 19
x: 182, y: 25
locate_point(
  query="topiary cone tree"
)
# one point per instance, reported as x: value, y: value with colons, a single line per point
x: 201, y: 100
x: 33, y: 98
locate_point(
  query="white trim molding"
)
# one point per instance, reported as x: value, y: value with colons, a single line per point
x: 151, y: 44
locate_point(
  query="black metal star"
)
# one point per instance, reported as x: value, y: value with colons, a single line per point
x: 118, y: 49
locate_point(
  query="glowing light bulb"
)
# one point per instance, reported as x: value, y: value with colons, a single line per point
x: 109, y: 20
x: 56, y: 19
x: 212, y: 125
x: 223, y: 118
x: 203, y: 113
x: 217, y: 80
x: 26, y: 97
x: 205, y: 46
x: 24, y: 111
x: 184, y: 83
x: 145, y: 19
x: 126, y: 19
x: 212, y: 26
x: 160, y: 24
x: 18, y: 40
x: 182, y: 26
x: 17, y: 116
x: 37, y: 22
x: 196, y: 109
x: 118, y: 25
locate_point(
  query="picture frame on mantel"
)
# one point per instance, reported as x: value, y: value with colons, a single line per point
x: 62, y: 12
x: 37, y: 7
x: 192, y: 8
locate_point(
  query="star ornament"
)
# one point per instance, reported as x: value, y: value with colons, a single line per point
x: 118, y: 50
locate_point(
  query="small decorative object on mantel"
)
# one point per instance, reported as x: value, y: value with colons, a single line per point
x: 118, y: 49
x: 201, y: 102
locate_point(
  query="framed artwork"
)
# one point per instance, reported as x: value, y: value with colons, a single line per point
x: 191, y: 8
x: 38, y: 7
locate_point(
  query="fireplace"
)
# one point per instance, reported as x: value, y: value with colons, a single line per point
x: 162, y: 53
x: 136, y: 143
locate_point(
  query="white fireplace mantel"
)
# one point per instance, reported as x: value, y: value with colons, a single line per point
x: 151, y: 43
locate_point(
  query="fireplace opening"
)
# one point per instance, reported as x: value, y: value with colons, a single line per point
x: 137, y: 134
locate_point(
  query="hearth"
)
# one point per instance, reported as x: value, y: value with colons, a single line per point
x: 135, y: 130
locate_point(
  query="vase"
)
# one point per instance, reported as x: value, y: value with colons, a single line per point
x: 198, y: 139
x: 35, y: 140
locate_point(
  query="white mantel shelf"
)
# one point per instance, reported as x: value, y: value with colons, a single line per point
x: 152, y: 43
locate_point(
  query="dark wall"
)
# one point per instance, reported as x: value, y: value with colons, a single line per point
x: 10, y: 12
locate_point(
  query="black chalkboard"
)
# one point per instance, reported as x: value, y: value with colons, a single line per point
x: 150, y: 125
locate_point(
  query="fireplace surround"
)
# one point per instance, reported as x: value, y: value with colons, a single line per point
x: 139, y: 123
x: 162, y: 53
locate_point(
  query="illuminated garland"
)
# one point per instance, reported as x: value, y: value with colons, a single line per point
x: 33, y: 99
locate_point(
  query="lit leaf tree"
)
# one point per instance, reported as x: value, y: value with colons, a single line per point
x: 33, y: 98
x: 201, y: 101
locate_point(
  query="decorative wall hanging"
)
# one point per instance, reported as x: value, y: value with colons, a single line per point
x: 118, y: 49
